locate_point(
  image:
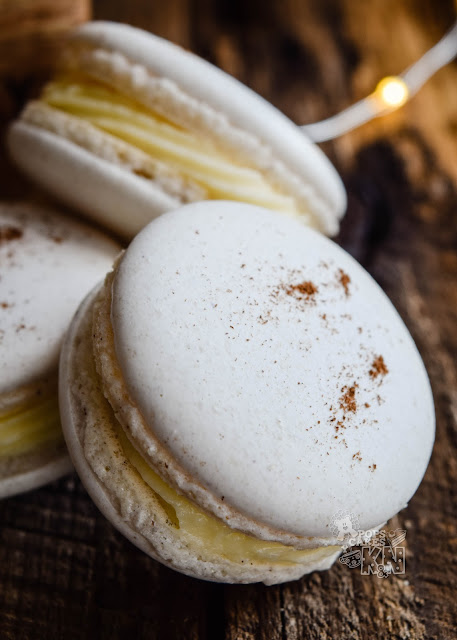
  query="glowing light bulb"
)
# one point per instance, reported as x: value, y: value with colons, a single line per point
x: 392, y: 92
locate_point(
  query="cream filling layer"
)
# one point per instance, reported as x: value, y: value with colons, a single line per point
x: 185, y: 152
x: 29, y: 426
x: 209, y: 532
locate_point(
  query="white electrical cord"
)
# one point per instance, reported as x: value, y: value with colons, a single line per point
x: 390, y: 94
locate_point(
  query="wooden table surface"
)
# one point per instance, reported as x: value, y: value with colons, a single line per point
x: 64, y: 571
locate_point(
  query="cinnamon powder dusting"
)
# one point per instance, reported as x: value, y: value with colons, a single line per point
x: 305, y: 289
x: 344, y: 281
x: 378, y: 367
x: 8, y: 233
x: 347, y: 400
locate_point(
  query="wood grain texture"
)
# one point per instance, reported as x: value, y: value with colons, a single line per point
x: 64, y: 571
x: 31, y: 32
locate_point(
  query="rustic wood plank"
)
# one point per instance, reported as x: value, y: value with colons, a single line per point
x: 172, y: 21
x: 64, y: 571
x: 31, y: 32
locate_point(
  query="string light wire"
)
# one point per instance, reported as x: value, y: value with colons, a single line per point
x: 391, y: 92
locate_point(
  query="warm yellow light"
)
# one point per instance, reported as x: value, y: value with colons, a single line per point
x: 392, y: 92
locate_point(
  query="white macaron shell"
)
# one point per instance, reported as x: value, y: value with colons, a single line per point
x: 245, y: 380
x: 104, y: 192
x: 242, y: 106
x: 35, y: 478
x: 46, y: 271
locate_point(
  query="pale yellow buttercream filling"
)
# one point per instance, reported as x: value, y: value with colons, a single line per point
x: 185, y: 152
x: 29, y: 426
x: 210, y: 533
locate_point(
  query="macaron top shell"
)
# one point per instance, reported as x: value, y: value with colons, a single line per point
x: 272, y: 367
x: 232, y: 103
x: 49, y: 262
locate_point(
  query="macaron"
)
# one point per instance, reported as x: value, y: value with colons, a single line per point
x: 133, y: 126
x: 49, y: 263
x: 236, y: 383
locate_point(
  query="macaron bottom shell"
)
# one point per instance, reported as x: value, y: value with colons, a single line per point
x: 32, y: 448
x: 161, y: 522
x: 33, y: 470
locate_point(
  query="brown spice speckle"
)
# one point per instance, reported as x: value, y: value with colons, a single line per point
x: 305, y: 289
x: 142, y: 173
x: 344, y: 281
x: 347, y: 400
x: 339, y: 425
x: 9, y: 233
x: 378, y: 367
